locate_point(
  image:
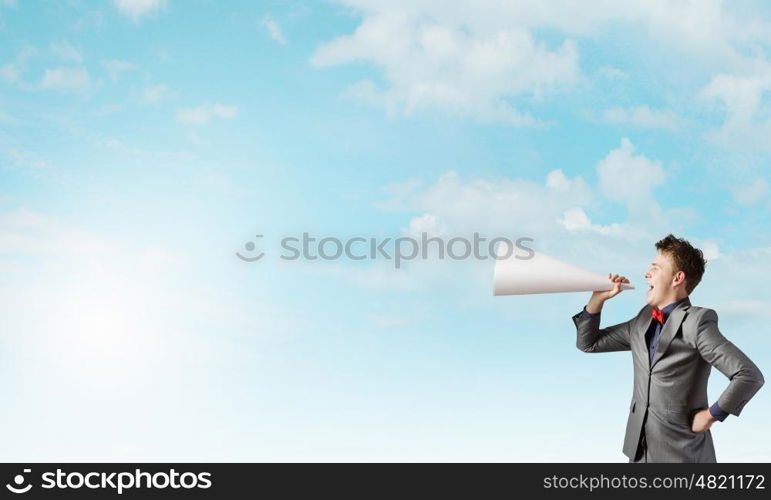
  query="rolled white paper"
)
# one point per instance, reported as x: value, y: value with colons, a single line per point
x: 544, y: 274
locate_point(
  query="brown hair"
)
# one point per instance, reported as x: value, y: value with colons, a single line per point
x: 686, y: 257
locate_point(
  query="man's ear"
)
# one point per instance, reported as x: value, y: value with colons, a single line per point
x: 678, y: 278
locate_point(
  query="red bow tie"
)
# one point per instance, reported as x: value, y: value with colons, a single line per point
x: 658, y: 315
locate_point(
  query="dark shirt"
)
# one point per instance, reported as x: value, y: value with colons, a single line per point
x: 652, y: 341
x: 654, y: 330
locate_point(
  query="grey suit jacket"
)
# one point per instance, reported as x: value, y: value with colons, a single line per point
x: 669, y: 389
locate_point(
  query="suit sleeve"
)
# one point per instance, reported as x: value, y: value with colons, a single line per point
x: 591, y: 338
x: 745, y: 377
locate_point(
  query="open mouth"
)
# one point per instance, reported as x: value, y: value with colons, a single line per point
x: 649, y: 290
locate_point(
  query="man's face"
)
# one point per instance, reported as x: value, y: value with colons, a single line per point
x: 659, y: 276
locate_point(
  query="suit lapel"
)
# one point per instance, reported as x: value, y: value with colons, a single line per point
x: 643, y: 346
x: 671, y: 326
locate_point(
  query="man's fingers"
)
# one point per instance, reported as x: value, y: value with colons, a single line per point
x: 617, y: 280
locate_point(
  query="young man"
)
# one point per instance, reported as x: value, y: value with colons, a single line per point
x: 674, y: 346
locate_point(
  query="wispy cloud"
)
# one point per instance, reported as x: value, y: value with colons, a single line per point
x: 204, y: 114
x: 644, y: 117
x: 11, y: 72
x: 135, y: 9
x: 24, y: 159
x: 116, y: 66
x: 613, y: 73
x: 155, y: 93
x: 273, y: 28
x: 66, y: 51
x: 65, y: 78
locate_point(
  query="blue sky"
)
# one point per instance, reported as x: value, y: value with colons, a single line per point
x: 143, y: 142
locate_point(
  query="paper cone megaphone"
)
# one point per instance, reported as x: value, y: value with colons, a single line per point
x: 543, y: 274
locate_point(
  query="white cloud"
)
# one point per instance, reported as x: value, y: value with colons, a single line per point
x: 136, y: 9
x: 510, y: 206
x: 8, y: 2
x: 556, y: 180
x: 575, y: 219
x: 644, y: 117
x: 427, y: 224
x: 629, y: 179
x: 746, y: 122
x: 155, y: 93
x: 66, y: 51
x: 435, y: 65
x: 116, y: 66
x: 710, y: 249
x: 65, y: 78
x: 740, y: 94
x: 204, y: 114
x: 549, y: 211
x: 273, y: 28
x: 484, y: 60
x: 753, y: 193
